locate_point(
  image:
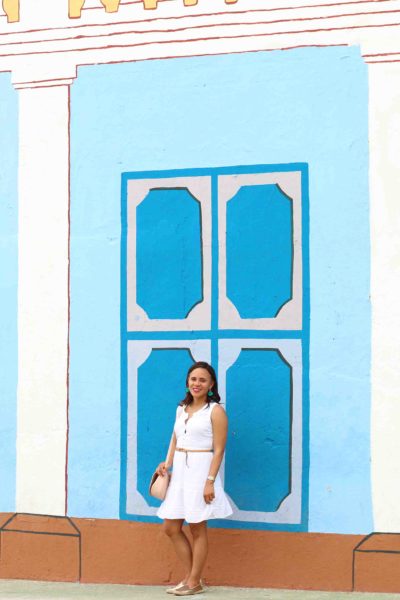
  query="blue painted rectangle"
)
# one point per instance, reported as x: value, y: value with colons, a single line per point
x: 260, y: 108
x: 259, y: 388
x: 168, y: 258
x: 214, y: 335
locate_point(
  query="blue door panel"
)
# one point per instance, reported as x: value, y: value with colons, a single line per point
x: 169, y: 253
x: 259, y: 247
x: 258, y: 386
x: 160, y: 388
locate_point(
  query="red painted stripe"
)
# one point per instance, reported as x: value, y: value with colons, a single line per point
x: 284, y: 48
x: 381, y: 54
x: 230, y: 37
x: 37, y: 87
x: 379, y: 62
x: 205, y: 26
x: 45, y: 80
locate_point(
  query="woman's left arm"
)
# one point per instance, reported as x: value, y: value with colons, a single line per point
x: 219, y: 423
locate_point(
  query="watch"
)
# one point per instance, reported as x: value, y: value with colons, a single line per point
x: 211, y: 478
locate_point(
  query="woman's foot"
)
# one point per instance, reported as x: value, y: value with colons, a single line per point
x: 186, y: 590
x: 176, y: 588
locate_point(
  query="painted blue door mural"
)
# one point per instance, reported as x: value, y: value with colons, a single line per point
x: 215, y: 267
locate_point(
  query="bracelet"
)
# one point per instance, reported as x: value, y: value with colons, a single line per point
x: 211, y: 478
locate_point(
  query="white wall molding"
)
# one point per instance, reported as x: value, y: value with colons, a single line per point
x: 384, y: 134
x: 379, y: 47
x: 41, y: 71
x: 43, y: 297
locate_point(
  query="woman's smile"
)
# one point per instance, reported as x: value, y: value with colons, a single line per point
x: 200, y: 382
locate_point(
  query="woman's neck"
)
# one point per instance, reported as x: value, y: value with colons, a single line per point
x: 199, y: 402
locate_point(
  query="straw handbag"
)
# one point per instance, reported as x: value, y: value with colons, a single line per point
x: 159, y: 484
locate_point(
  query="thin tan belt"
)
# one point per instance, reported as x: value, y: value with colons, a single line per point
x: 187, y: 450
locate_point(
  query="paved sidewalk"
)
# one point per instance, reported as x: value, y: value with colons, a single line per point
x: 25, y: 590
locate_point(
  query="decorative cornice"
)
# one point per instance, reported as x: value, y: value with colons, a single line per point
x: 75, y: 7
x: 210, y: 28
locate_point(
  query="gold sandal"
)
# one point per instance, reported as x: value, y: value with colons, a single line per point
x: 187, y: 591
x: 178, y: 586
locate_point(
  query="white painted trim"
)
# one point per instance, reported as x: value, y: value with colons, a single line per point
x: 29, y: 72
x: 384, y: 138
x: 42, y: 84
x: 43, y: 299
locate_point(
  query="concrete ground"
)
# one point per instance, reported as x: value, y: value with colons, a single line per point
x: 25, y: 590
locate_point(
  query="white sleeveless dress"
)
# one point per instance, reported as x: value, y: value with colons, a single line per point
x: 184, y: 499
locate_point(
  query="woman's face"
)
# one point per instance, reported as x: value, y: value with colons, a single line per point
x: 200, y: 383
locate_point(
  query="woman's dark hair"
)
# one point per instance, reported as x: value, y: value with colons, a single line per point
x: 188, y: 399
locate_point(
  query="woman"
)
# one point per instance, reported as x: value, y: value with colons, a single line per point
x: 195, y: 493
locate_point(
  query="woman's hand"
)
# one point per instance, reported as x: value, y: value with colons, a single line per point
x: 209, y: 493
x: 162, y: 469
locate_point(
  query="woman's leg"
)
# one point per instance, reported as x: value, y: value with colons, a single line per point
x: 173, y: 529
x: 200, y: 550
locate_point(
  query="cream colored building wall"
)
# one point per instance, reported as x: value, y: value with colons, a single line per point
x: 43, y: 49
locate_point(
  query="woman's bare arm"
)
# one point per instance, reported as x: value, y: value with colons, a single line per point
x: 167, y: 464
x: 219, y: 423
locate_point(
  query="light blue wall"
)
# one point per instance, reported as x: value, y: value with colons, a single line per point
x: 307, y: 105
x: 8, y: 289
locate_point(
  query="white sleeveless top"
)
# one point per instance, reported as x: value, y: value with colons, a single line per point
x: 196, y: 433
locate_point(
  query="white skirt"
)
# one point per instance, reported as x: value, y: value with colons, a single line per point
x: 184, y: 499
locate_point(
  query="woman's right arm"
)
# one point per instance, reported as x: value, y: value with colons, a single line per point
x: 167, y: 464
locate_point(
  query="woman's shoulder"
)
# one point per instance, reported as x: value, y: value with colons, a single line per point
x: 217, y: 408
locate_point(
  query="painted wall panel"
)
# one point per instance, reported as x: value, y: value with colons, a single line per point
x: 150, y: 394
x: 307, y: 105
x: 8, y: 289
x: 260, y: 480
x: 264, y: 270
x: 248, y: 396
x: 159, y: 388
x: 168, y: 253
x: 94, y: 449
x: 259, y: 250
x: 258, y: 499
